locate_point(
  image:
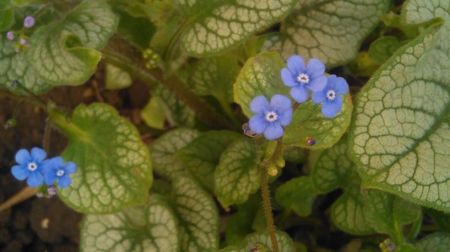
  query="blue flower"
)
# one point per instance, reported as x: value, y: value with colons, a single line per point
x: 301, y: 79
x: 58, y: 170
x: 270, y: 118
x: 29, y: 166
x: 331, y: 97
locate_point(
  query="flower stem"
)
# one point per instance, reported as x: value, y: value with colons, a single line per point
x: 273, y: 153
x: 69, y: 129
x: 23, y: 195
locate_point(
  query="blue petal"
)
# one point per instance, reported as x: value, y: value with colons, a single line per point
x: 64, y: 181
x: 285, y: 117
x: 331, y: 109
x: 296, y: 64
x: 35, y: 179
x: 273, y: 131
x: 315, y: 68
x: 23, y: 156
x: 71, y: 167
x: 280, y: 102
x: 56, y: 162
x: 341, y: 86
x: 257, y: 124
x: 38, y: 154
x: 50, y: 177
x: 319, y: 97
x: 288, y: 78
x: 318, y: 84
x: 19, y: 172
x: 259, y: 104
x: 300, y: 94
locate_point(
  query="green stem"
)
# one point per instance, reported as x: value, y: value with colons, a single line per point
x: 398, y: 233
x: 272, y: 153
x: 69, y: 129
x: 132, y: 62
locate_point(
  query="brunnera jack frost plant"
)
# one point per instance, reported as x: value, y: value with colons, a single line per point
x: 354, y: 99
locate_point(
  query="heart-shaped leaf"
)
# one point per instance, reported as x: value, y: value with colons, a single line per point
x: 237, y: 176
x: 114, y: 167
x: 149, y: 228
x: 65, y: 52
x: 400, y: 136
x: 331, y: 30
x: 297, y: 194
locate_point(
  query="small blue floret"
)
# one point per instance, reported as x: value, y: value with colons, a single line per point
x: 270, y: 118
x: 301, y: 78
x: 332, y: 96
x: 29, y: 166
x: 59, y: 171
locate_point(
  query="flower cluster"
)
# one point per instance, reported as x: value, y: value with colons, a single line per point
x: 305, y: 79
x: 270, y: 118
x: 28, y: 23
x: 36, y: 169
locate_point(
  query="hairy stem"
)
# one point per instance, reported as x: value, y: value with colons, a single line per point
x: 265, y: 193
x: 129, y: 59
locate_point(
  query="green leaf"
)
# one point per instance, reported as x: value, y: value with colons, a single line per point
x: 214, y: 76
x: 153, y: 113
x: 436, y: 242
x: 164, y: 150
x: 285, y: 243
x: 297, y: 194
x: 197, y: 214
x: 65, y: 52
x: 6, y: 19
x: 219, y: 25
x: 387, y: 213
x: 114, y: 167
x: 400, y: 137
x: 177, y: 113
x: 309, y: 123
x: 259, y: 76
x: 117, y: 78
x: 237, y: 175
x: 347, y: 212
x: 440, y: 218
x: 240, y: 223
x: 202, y: 155
x: 153, y: 227
x: 420, y: 11
x: 15, y: 67
x: 333, y: 168
x: 331, y: 30
x: 382, y: 49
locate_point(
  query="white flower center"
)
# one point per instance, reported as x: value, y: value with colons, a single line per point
x: 331, y: 95
x: 303, y: 78
x: 60, y: 173
x: 32, y: 166
x: 271, y: 116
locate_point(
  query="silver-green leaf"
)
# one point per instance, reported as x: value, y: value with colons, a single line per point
x: 152, y: 228
x: 164, y: 150
x: 219, y: 25
x: 331, y: 30
x: 114, y: 167
x: 400, y: 133
x: 237, y: 176
x: 65, y: 52
x: 197, y: 214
